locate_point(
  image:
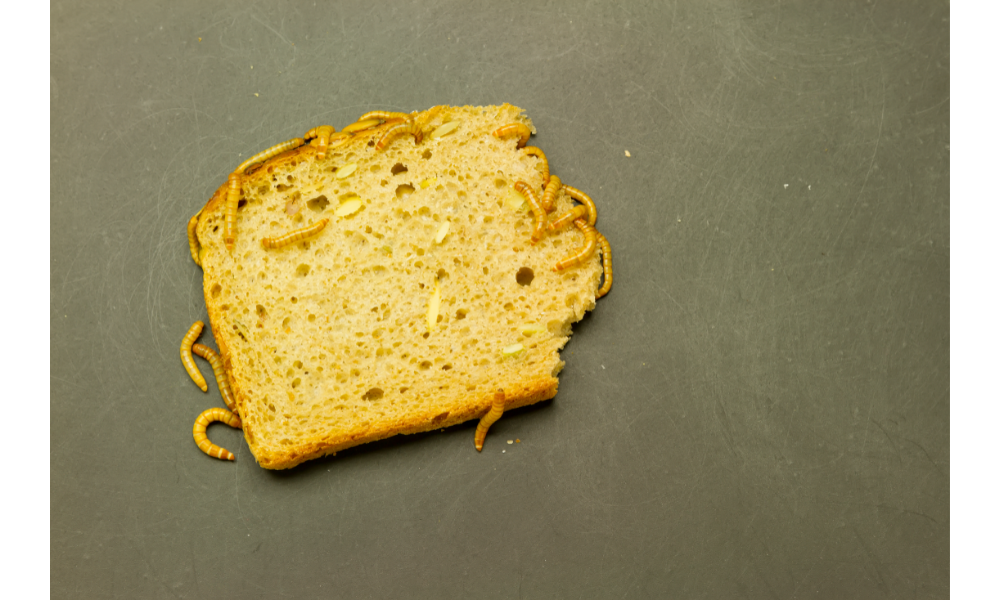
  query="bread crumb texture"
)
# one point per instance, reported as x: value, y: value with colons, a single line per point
x: 327, y: 341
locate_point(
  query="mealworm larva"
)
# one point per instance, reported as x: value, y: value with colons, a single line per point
x: 397, y: 130
x: 201, y: 425
x: 193, y: 239
x: 588, y: 249
x: 537, y: 152
x: 536, y: 209
x: 488, y: 419
x: 232, y: 202
x: 221, y: 378
x: 519, y: 128
x: 586, y: 201
x: 269, y: 153
x: 294, y: 236
x: 577, y: 212
x: 549, y: 197
x: 383, y: 115
x: 606, y: 260
x: 322, y: 134
x: 187, y: 360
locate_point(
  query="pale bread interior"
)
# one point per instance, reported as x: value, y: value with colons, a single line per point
x: 327, y: 341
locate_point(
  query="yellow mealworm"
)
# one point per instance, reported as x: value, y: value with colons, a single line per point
x: 383, y: 115
x: 269, y: 153
x: 588, y: 249
x: 406, y: 127
x: 221, y: 378
x: 322, y: 133
x: 537, y: 152
x: 519, y: 128
x: 606, y: 259
x: 193, y: 239
x: 549, y: 197
x: 294, y: 236
x: 187, y: 360
x: 201, y: 425
x: 488, y: 419
x: 577, y: 212
x: 361, y: 125
x: 536, y: 209
x: 586, y: 201
x: 232, y: 202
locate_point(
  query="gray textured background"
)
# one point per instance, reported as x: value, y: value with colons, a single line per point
x: 758, y: 409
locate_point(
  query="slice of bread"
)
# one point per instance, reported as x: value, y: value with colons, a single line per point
x: 334, y: 341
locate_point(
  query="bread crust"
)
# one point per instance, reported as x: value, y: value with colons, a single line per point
x: 271, y: 455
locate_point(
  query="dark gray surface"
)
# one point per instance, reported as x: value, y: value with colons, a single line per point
x: 760, y: 408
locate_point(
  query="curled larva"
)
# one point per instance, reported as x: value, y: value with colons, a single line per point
x: 232, y: 202
x: 187, y: 360
x: 383, y: 115
x: 606, y: 260
x: 220, y: 373
x: 551, y: 189
x: 536, y: 209
x: 406, y: 127
x: 269, y: 153
x: 193, y: 239
x: 577, y: 212
x: 488, y: 419
x: 201, y: 425
x: 588, y: 249
x: 586, y: 201
x: 322, y: 135
x: 294, y: 236
x: 519, y: 128
x: 537, y: 152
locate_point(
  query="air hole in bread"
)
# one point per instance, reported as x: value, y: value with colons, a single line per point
x: 460, y: 314
x: 317, y: 204
x: 302, y: 270
x: 404, y: 190
x: 399, y: 168
x: 373, y: 394
x: 525, y: 276
x: 426, y: 154
x: 424, y: 365
x: 216, y: 290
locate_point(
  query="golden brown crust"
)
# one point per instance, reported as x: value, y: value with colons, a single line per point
x: 272, y: 456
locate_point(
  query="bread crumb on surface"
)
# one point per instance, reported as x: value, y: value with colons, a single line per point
x: 627, y: 153
x: 510, y: 441
x: 518, y: 440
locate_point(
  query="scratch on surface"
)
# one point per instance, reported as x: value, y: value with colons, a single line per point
x: 871, y: 165
x: 273, y: 30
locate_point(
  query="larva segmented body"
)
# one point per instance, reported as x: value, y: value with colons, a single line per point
x: 383, y: 115
x: 294, y: 236
x: 536, y: 209
x: 269, y: 153
x: 537, y: 152
x: 361, y: 125
x: 496, y: 411
x: 577, y: 212
x: 588, y: 249
x: 406, y: 127
x: 519, y: 128
x: 586, y: 201
x: 193, y: 239
x: 187, y: 360
x: 232, y: 202
x: 606, y: 261
x: 221, y: 378
x: 201, y: 425
x: 322, y: 135
x: 551, y: 189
